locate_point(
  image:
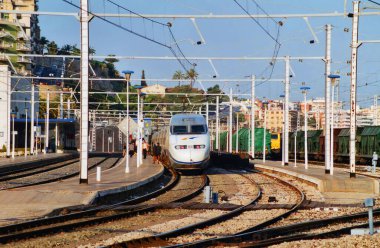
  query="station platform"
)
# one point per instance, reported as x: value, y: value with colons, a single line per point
x: 337, y: 188
x: 37, y: 201
x: 22, y: 160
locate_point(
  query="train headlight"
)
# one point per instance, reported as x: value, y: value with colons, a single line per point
x: 181, y: 147
x: 199, y: 146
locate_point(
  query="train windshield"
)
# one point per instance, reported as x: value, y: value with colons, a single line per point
x: 179, y: 129
x: 198, y: 129
x: 274, y: 136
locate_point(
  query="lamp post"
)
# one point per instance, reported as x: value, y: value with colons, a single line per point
x: 127, y: 79
x: 13, y: 115
x: 304, y: 90
x: 26, y: 132
x: 37, y: 134
x: 139, y: 122
x: 32, y: 118
x: 334, y: 80
x: 282, y: 97
x: 265, y: 103
x: 237, y: 131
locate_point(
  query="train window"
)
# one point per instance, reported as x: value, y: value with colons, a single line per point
x: 198, y: 129
x: 179, y: 129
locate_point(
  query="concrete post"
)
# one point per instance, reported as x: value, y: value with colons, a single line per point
x: 84, y: 24
x: 327, y: 99
x: 230, y: 125
x: 9, y: 108
x: 13, y: 136
x: 217, y: 125
x: 237, y: 132
x: 47, y: 123
x: 32, y: 119
x: 253, y: 78
x: 26, y: 133
x: 287, y: 89
x: 353, y: 87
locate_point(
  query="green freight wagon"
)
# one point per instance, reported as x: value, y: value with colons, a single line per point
x: 245, y: 140
x: 344, y: 141
x: 370, y: 141
x: 223, y: 141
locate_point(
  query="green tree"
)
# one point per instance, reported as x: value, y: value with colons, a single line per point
x: 192, y: 75
x: 178, y: 75
x: 43, y: 43
x: 52, y: 48
x: 111, y: 59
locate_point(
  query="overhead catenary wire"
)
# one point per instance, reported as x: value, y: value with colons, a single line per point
x: 168, y: 25
x: 277, y: 45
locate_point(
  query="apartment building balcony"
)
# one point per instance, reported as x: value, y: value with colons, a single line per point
x: 6, y: 35
x: 8, y: 22
x: 3, y: 58
x: 23, y: 47
x: 23, y: 60
x: 5, y: 45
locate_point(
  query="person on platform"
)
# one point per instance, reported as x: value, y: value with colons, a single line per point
x: 154, y: 152
x: 124, y: 150
x: 158, y: 151
x: 132, y: 148
x: 145, y: 148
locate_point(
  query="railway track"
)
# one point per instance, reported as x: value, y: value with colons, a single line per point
x: 41, y: 227
x: 33, y: 165
x: 52, y: 173
x: 172, y: 237
x: 294, y: 232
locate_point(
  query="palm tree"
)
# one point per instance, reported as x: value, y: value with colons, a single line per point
x: 179, y: 76
x: 52, y: 48
x: 192, y: 75
x: 42, y: 43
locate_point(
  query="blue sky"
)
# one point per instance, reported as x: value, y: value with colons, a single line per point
x: 234, y: 37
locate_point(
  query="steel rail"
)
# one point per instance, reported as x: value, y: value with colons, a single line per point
x: 190, y: 228
x: 259, y: 237
x: 302, y: 236
x: 30, y: 165
x: 57, y: 178
x: 206, y: 242
x: 43, y: 230
x: 29, y: 171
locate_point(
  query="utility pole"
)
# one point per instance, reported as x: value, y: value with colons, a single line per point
x: 9, y: 107
x: 32, y: 119
x: 253, y: 116
x: 26, y: 133
x: 354, y: 50
x: 230, y: 125
x: 217, y: 124
x: 47, y: 123
x: 287, y: 88
x: 68, y: 108
x: 304, y: 90
x: 327, y: 99
x: 237, y: 132
x: 283, y: 131
x: 84, y: 75
x: 61, y: 105
x: 375, y: 98
x: 207, y: 113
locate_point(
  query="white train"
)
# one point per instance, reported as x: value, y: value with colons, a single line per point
x: 186, y: 142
